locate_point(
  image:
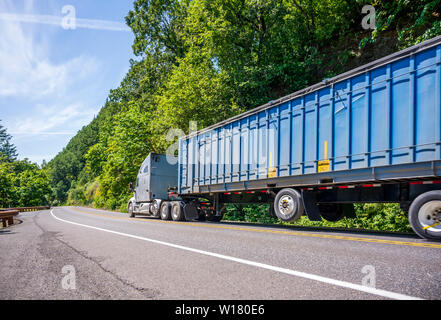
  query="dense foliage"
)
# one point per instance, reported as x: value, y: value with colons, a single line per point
x: 22, y: 183
x: 368, y: 216
x: 207, y: 60
x: 7, y: 150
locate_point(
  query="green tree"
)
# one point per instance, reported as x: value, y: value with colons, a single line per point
x: 8, y: 152
x: 412, y: 21
x: 158, y: 26
x: 127, y: 146
x: 32, y: 187
x: 197, y: 90
x: 7, y: 195
x: 23, y: 184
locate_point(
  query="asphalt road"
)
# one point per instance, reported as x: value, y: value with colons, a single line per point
x: 82, y: 253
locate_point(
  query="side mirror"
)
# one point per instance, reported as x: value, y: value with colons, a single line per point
x: 131, y: 187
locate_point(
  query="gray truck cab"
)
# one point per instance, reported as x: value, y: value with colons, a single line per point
x: 156, y: 177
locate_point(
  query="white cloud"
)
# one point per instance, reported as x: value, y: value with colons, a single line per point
x: 25, y: 70
x: 57, y: 21
x: 53, y: 120
x: 43, y: 102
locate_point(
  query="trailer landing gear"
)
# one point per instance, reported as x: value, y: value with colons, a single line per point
x: 216, y: 217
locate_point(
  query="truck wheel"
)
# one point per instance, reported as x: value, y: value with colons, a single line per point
x: 155, y: 209
x: 165, y: 211
x: 130, y: 210
x: 332, y: 211
x: 425, y: 215
x: 177, y: 211
x: 288, y: 205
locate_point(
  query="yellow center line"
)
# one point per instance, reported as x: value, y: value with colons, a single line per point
x: 294, y: 233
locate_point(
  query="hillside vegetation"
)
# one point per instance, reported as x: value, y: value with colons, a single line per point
x: 22, y: 183
x: 208, y: 60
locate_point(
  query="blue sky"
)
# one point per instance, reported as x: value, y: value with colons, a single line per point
x: 54, y: 80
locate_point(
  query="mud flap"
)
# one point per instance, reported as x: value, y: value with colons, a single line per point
x: 310, y: 205
x: 271, y: 210
x: 191, y: 211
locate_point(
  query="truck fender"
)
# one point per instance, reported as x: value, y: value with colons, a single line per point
x: 132, y: 201
x: 155, y: 207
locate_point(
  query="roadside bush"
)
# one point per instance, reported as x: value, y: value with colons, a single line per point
x: 386, y: 217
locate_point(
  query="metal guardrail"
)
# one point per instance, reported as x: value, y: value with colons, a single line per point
x: 7, y: 215
x: 27, y: 209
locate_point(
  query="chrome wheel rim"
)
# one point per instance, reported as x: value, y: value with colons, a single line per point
x: 155, y: 207
x: 164, y: 211
x: 286, y: 205
x: 175, y: 212
x: 429, y: 216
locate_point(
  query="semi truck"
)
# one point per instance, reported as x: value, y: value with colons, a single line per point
x: 370, y: 135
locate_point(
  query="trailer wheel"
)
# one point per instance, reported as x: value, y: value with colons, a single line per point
x: 165, y: 211
x: 425, y: 215
x: 288, y: 205
x: 177, y: 211
x: 332, y: 212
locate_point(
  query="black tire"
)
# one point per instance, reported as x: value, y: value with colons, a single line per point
x: 177, y: 211
x: 130, y: 210
x: 420, y: 211
x: 165, y: 211
x: 332, y: 212
x: 154, y: 210
x: 288, y: 205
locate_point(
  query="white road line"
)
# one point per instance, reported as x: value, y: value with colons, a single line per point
x: 344, y: 284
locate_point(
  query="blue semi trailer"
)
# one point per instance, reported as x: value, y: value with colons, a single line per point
x: 372, y: 134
